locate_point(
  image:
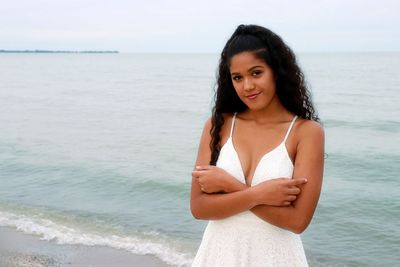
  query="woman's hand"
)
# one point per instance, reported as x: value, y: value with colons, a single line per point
x: 278, y: 192
x: 216, y: 180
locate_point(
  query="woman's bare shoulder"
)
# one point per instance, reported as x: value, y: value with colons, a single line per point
x: 225, y: 128
x: 227, y: 120
x: 309, y: 129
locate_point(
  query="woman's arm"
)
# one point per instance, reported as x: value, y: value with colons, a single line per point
x: 309, y: 163
x: 215, y: 206
x: 219, y: 206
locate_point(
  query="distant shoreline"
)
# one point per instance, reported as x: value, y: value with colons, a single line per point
x: 61, y: 51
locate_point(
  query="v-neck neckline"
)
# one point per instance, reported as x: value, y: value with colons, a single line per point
x: 283, y: 143
x: 258, y: 163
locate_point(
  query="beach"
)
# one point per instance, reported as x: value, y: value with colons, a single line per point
x: 18, y: 249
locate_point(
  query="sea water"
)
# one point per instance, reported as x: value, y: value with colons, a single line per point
x: 98, y: 149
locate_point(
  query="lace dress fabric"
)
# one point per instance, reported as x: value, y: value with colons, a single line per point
x: 244, y: 240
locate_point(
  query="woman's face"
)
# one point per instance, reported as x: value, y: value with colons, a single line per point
x: 253, y: 81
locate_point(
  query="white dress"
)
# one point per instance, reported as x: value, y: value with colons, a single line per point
x: 245, y: 240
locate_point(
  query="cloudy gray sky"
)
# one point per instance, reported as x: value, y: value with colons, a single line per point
x: 196, y: 26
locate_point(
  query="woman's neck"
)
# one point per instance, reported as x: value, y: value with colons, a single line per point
x: 271, y: 114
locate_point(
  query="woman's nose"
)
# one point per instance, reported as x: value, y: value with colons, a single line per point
x: 248, y: 84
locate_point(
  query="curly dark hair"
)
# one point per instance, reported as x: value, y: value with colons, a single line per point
x: 290, y: 84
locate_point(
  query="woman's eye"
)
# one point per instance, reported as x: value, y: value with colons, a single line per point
x: 236, y: 78
x: 256, y: 73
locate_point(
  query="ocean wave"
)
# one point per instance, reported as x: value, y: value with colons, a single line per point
x: 150, y: 243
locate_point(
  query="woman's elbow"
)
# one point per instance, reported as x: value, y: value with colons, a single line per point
x: 300, y: 226
x: 200, y: 211
x: 196, y: 211
x: 298, y: 230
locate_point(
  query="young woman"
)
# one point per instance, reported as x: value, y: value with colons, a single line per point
x: 259, y: 167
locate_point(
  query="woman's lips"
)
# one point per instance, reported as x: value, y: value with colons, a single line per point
x: 252, y: 96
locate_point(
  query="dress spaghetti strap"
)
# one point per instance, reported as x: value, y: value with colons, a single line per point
x: 233, y: 124
x: 290, y: 128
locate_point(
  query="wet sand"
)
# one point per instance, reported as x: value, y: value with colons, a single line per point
x: 22, y: 250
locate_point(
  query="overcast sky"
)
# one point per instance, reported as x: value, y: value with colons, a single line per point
x: 197, y: 26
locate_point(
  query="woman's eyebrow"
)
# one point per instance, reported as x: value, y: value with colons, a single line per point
x: 252, y: 68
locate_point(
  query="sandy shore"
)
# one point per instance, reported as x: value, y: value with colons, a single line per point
x: 21, y: 250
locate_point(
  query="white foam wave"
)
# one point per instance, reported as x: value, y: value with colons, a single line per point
x: 48, y: 230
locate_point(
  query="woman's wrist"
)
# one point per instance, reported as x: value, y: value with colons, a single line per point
x: 234, y: 185
x: 257, y: 195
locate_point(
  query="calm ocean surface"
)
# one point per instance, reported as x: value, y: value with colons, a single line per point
x: 98, y: 149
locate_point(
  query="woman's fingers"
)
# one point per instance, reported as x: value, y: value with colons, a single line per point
x: 204, y: 167
x: 297, y: 182
x: 195, y: 174
x: 201, y: 179
x: 294, y: 190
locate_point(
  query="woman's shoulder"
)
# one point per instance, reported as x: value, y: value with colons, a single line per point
x: 227, y: 118
x: 224, y: 128
x: 309, y: 129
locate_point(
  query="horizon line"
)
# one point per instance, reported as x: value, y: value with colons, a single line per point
x: 176, y: 52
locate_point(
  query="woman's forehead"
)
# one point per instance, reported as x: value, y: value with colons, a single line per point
x: 245, y: 61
